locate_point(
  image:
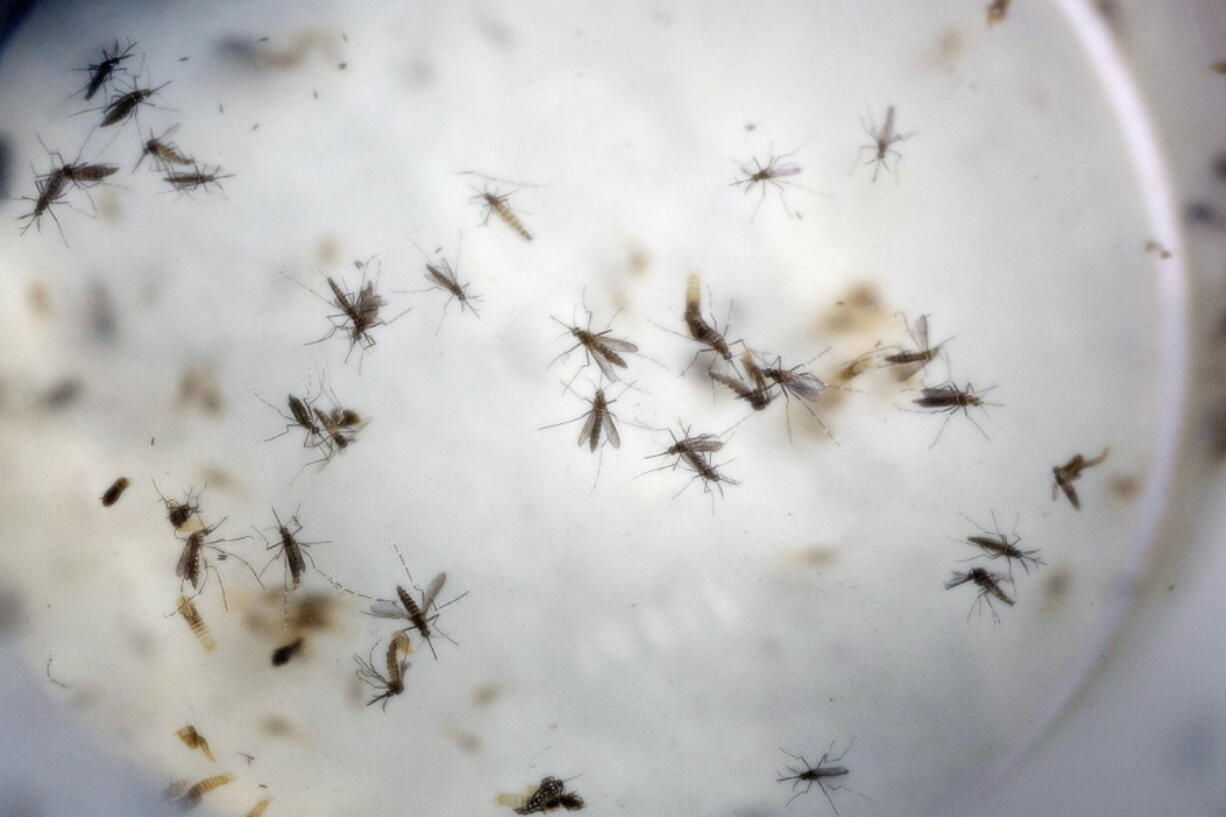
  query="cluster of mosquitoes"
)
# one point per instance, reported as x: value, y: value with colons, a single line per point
x: 123, y: 93
x: 747, y: 375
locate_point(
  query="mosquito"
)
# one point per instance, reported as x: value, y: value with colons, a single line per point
x: 49, y: 191
x: 125, y: 106
x: 758, y: 396
x: 607, y: 351
x: 442, y: 276
x: 199, y: 177
x: 809, y: 774
x: 600, y: 421
x: 800, y: 383
x: 948, y: 399
x: 707, y: 334
x: 359, y: 312
x: 1065, y: 475
x: 290, y: 547
x: 101, y: 73
x: 988, y: 584
x: 549, y: 795
x: 393, y: 683
x: 995, y: 544
x: 694, y: 452
x: 497, y: 203
x: 194, y: 567
x: 773, y: 174
x: 884, y: 138
x: 421, y: 615
x: 302, y: 415
x: 163, y: 151
x: 910, y: 363
x: 184, y: 516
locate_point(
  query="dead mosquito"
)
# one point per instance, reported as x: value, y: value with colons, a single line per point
x: 194, y: 566
x: 809, y: 774
x: 442, y: 276
x: 995, y: 544
x: 911, y: 362
x: 184, y: 516
x: 393, y: 683
x: 498, y: 203
x: 884, y: 138
x: 302, y: 415
x: 289, y: 547
x: 800, y: 383
x: 758, y: 395
x: 599, y: 422
x: 421, y: 615
x: 855, y: 367
x: 359, y: 312
x: 113, y: 493
x: 948, y: 399
x: 549, y: 795
x: 100, y: 73
x: 200, y: 177
x: 988, y: 584
x: 124, y: 107
x: 50, y: 191
x: 164, y: 152
x: 707, y: 334
x: 772, y: 174
x: 607, y: 351
x: 1066, y: 474
x: 694, y: 453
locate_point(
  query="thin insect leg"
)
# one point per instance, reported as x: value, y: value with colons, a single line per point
x: 941, y: 430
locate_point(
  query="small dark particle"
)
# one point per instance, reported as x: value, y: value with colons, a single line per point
x: 1220, y: 66
x: 102, y: 324
x: 184, y: 59
x: 342, y: 66
x: 1201, y: 212
x: 1219, y: 165
x: 282, y: 655
x: 113, y: 493
x: 50, y: 678
x: 249, y: 758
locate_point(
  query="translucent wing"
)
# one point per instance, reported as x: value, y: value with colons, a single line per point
x: 586, y: 433
x: 606, y: 366
x: 436, y: 584
x: 388, y: 609
x: 806, y: 386
x: 921, y: 332
x: 610, y: 430
x: 618, y: 345
x: 184, y: 567
x: 704, y: 443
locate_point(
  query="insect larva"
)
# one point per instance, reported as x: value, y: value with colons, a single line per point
x: 113, y: 493
x: 192, y: 797
x: 194, y: 740
x: 258, y: 809
x: 393, y: 683
x: 199, y: 629
x: 498, y: 203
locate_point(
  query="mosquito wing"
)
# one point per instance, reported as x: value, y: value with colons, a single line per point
x: 618, y: 345
x: 606, y: 367
x: 921, y: 333
x: 432, y: 591
x: 806, y: 386
x: 388, y: 609
x: 610, y: 430
x: 586, y: 433
x: 704, y: 443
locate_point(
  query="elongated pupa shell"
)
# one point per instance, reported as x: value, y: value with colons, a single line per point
x: 199, y: 629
